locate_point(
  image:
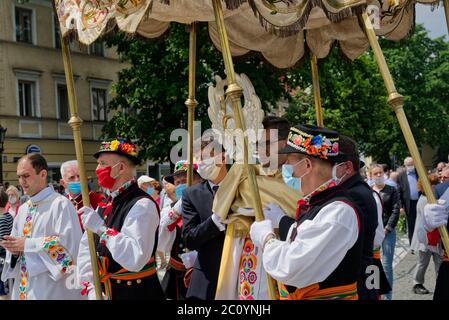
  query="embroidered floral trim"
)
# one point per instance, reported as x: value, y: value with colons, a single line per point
x: 303, y: 204
x: 108, y: 233
x: 85, y: 289
x: 57, y: 253
x: 125, y: 186
x: 28, y: 226
x: 248, y: 275
x: 318, y: 145
x: 119, y: 145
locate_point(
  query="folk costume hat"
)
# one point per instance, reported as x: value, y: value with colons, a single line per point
x: 313, y: 141
x: 180, y: 167
x: 121, y: 147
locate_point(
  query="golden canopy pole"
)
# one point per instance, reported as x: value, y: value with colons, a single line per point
x: 316, y: 91
x: 191, y: 102
x: 234, y: 92
x: 75, y: 122
x: 396, y: 101
x: 446, y: 12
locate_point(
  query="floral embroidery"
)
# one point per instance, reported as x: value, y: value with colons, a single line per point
x: 248, y: 275
x: 57, y: 253
x: 318, y: 145
x: 122, y: 188
x: 23, y: 285
x: 107, y: 234
x: 121, y: 145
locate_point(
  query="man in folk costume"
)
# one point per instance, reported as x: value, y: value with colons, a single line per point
x: 242, y: 275
x: 367, y: 201
x: 435, y: 216
x: 126, y: 229
x: 320, y: 259
x: 44, y: 241
x: 203, y: 230
x: 71, y: 182
x: 170, y: 235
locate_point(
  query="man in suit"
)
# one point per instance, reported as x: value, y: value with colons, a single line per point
x: 202, y: 229
x: 444, y: 185
x: 408, y: 192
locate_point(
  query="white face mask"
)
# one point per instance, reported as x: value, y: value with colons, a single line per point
x: 379, y: 181
x: 334, y: 173
x: 12, y: 200
x: 208, y: 170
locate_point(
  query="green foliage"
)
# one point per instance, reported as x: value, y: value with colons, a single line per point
x: 150, y: 95
x: 154, y: 90
x: 354, y: 97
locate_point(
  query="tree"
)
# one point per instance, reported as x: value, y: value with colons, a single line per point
x: 150, y: 94
x: 354, y: 97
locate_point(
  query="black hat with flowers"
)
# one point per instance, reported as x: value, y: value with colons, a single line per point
x: 313, y: 141
x: 121, y: 147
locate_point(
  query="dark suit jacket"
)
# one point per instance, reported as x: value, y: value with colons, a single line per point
x: 441, y: 188
x: 404, y: 190
x: 201, y: 234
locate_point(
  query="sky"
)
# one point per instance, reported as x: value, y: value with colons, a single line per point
x: 434, y: 21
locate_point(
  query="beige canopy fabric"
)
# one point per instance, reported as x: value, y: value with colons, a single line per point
x: 252, y: 25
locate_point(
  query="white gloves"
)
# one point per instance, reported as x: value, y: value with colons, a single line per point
x: 259, y: 231
x: 274, y: 213
x: 218, y: 222
x: 189, y: 258
x: 91, y: 219
x: 435, y: 215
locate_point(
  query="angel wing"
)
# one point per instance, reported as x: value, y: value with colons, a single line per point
x: 222, y: 117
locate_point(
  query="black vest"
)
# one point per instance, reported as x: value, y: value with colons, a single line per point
x: 347, y: 272
x: 150, y: 287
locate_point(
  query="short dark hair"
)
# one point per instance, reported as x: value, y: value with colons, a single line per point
x: 3, y: 198
x: 281, y: 124
x: 38, y: 162
x: 349, y: 147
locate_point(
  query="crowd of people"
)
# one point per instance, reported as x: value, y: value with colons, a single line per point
x: 329, y: 225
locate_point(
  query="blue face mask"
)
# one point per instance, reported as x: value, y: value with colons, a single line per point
x: 179, y: 189
x: 150, y: 190
x: 74, y: 187
x: 289, y: 179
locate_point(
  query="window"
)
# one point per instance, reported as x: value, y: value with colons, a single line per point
x: 27, y: 98
x: 63, y: 101
x: 99, y: 101
x: 97, y: 49
x: 24, y: 23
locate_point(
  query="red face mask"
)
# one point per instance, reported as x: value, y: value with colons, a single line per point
x: 104, y: 177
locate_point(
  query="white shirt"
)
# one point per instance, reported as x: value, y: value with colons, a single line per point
x: 318, y: 249
x: 380, y: 230
x: 168, y: 216
x: 131, y: 247
x: 54, y: 217
x: 216, y: 219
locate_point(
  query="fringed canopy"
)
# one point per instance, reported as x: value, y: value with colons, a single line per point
x: 278, y: 29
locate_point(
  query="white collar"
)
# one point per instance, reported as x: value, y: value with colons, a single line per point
x: 212, y: 185
x: 43, y: 194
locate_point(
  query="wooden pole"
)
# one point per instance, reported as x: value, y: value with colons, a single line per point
x: 234, y: 92
x: 75, y: 122
x: 316, y: 91
x: 191, y: 102
x: 446, y: 12
x: 396, y: 101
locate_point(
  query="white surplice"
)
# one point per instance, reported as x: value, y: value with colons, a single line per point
x: 50, y: 251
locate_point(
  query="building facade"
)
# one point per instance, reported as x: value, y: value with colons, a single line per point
x: 33, y: 94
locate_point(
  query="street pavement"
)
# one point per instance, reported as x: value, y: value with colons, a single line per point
x: 404, y: 267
